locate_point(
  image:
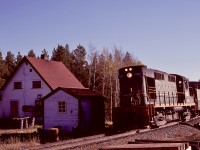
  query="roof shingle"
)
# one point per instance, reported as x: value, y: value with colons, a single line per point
x: 54, y: 73
x: 78, y: 93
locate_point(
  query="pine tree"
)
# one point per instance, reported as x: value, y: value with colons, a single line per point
x: 19, y: 58
x: 4, y: 73
x: 79, y: 65
x: 45, y: 53
x: 10, y: 61
x: 62, y: 54
x: 31, y: 53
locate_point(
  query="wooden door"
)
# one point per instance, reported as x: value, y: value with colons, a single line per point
x: 14, y: 105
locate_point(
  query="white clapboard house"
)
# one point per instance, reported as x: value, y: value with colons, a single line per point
x: 76, y: 110
x: 33, y: 79
x: 65, y: 101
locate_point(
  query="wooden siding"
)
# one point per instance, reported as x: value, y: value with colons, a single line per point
x: 68, y: 120
x: 92, y: 118
x: 27, y: 95
x: 85, y: 115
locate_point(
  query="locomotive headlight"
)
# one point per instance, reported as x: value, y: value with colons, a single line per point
x: 126, y: 69
x: 129, y: 75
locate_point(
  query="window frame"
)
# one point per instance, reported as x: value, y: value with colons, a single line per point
x: 17, y: 87
x: 62, y: 106
x: 171, y: 78
x: 159, y: 76
x: 37, y: 84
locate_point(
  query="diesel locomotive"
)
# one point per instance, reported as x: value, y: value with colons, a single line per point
x: 150, y: 97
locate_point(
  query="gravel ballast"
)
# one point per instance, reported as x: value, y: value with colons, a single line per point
x: 178, y: 132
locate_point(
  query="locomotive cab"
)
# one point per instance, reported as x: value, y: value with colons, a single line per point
x: 182, y: 88
x: 195, y: 91
x: 184, y: 93
x: 131, y: 86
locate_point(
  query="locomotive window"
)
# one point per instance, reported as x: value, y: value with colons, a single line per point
x: 191, y: 92
x: 162, y: 76
x: 159, y: 76
x: 171, y: 78
x: 186, y: 84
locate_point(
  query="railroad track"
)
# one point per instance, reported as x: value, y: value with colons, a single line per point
x: 67, y: 143
x: 75, y: 143
x: 96, y: 139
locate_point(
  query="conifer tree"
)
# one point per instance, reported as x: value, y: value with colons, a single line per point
x: 19, y: 58
x: 62, y: 54
x: 3, y: 71
x: 10, y: 61
x: 31, y: 53
x: 79, y: 65
x: 45, y: 53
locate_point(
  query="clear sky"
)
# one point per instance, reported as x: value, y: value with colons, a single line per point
x: 163, y: 34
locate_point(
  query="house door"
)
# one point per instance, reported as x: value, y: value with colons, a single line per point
x: 14, y: 105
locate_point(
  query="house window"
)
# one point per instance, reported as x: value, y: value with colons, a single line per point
x: 36, y: 84
x: 17, y: 85
x: 61, y: 106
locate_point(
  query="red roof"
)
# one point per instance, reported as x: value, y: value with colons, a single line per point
x: 77, y: 93
x: 81, y: 92
x: 54, y: 73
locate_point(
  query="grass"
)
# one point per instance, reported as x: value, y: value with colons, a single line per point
x: 15, y: 143
x: 18, y: 131
x: 15, y: 139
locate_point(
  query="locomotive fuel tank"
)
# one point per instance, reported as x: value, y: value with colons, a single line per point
x: 178, y: 109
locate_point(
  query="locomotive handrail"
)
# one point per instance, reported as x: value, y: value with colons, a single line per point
x: 161, y: 97
x: 180, y: 92
x: 151, y: 87
x: 166, y: 98
x: 132, y: 94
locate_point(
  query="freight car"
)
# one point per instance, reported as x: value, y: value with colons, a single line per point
x: 150, y: 97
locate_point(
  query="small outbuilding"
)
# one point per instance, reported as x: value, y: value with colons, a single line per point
x: 73, y: 109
